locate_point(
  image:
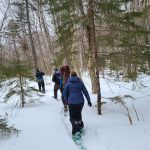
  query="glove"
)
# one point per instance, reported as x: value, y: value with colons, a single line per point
x: 89, y: 103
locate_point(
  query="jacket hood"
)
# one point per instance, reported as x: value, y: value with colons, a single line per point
x: 74, y: 79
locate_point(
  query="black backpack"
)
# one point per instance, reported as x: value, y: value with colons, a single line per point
x: 56, y: 77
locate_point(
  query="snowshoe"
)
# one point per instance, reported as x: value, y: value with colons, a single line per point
x: 77, y: 139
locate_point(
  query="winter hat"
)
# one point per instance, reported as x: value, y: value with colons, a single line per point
x: 73, y: 74
x: 55, y: 69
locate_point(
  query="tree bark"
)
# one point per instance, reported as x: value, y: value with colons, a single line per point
x: 93, y: 63
x: 95, y: 51
x: 45, y: 33
x: 1, y: 35
x: 41, y: 50
x: 30, y: 36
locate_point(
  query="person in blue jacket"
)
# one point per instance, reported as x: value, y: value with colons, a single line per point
x: 73, y: 93
x: 40, y: 80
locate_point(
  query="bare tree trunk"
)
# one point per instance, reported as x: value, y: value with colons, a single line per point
x: 46, y: 31
x: 1, y: 27
x: 95, y: 51
x: 30, y: 34
x: 45, y: 34
x: 94, y: 63
x: 41, y: 51
x: 146, y: 24
x: 5, y: 16
x: 91, y: 63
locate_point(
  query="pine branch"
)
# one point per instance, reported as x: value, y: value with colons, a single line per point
x: 5, y: 129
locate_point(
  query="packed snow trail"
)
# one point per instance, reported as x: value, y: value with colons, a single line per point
x: 41, y: 128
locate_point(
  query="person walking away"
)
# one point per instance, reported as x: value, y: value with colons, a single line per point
x: 56, y: 80
x: 73, y: 93
x: 65, y: 74
x: 40, y: 80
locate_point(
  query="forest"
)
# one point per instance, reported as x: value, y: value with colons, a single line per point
x: 106, y: 38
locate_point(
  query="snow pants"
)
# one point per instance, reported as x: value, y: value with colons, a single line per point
x: 41, y: 84
x: 56, y: 88
x: 75, y: 113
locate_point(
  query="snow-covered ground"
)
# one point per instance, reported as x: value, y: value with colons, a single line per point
x: 43, y: 126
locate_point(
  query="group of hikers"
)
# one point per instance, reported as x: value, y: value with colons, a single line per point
x: 72, y: 91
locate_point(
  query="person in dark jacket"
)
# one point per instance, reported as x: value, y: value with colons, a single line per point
x: 40, y: 80
x: 56, y: 79
x: 73, y: 93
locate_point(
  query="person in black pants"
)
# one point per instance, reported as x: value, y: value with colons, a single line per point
x: 40, y: 80
x: 76, y: 117
x: 73, y: 93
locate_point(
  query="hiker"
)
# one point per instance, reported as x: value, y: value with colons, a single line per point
x: 40, y: 80
x: 73, y: 93
x: 65, y: 74
x: 56, y: 80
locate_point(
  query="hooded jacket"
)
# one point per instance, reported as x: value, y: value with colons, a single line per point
x: 74, y: 90
x: 39, y: 75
